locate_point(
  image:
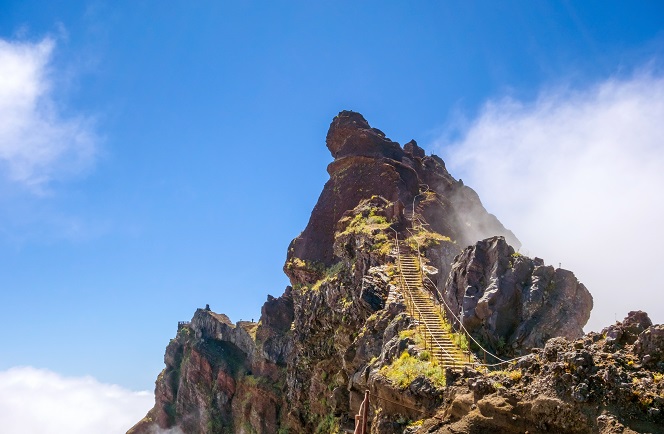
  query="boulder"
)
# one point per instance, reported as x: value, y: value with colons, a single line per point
x: 511, y: 302
x: 649, y: 346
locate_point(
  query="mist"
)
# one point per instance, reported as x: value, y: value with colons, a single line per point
x: 40, y: 401
x: 577, y: 175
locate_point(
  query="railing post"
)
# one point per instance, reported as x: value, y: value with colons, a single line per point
x: 365, y: 413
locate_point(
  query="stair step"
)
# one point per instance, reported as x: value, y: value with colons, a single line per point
x: 426, y: 312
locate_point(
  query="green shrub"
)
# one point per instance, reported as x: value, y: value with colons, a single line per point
x: 328, y: 425
x: 406, y: 368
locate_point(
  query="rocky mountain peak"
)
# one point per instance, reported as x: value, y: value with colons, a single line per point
x: 368, y: 164
x: 405, y: 288
x: 351, y: 135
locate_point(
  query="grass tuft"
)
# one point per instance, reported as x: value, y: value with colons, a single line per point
x: 407, y: 368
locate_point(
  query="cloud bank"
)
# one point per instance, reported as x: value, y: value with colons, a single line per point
x: 578, y: 176
x: 35, y: 401
x: 37, y: 144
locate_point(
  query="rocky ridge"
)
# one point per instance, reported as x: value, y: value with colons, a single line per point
x: 342, y: 327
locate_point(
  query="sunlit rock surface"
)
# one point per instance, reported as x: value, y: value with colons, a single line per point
x: 341, y: 328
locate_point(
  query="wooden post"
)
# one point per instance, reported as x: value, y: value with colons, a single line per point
x: 365, y: 412
x: 361, y: 416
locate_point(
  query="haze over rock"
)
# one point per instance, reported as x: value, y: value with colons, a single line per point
x: 348, y: 323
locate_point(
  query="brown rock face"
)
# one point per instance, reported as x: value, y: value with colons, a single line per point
x: 367, y: 164
x: 343, y: 326
x: 587, y: 386
x: 512, y: 302
x: 218, y: 380
x: 351, y: 135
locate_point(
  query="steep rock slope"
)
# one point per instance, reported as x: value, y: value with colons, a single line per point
x: 342, y: 328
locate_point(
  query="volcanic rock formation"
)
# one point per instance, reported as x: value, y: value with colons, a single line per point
x: 347, y: 324
x: 367, y: 164
x: 513, y: 303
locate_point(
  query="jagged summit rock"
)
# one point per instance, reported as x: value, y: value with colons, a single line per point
x: 351, y: 135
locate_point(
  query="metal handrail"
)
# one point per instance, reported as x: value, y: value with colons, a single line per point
x: 466, y: 332
x: 414, y: 308
x: 502, y: 361
x: 415, y: 218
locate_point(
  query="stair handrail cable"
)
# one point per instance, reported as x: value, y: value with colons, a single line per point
x: 415, y: 307
x: 403, y: 279
x: 502, y: 361
x: 414, y: 219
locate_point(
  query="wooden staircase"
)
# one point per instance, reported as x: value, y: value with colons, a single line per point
x: 430, y: 325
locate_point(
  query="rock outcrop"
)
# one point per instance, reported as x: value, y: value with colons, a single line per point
x: 513, y: 303
x: 368, y: 164
x: 342, y: 327
x: 220, y: 379
x: 590, y: 385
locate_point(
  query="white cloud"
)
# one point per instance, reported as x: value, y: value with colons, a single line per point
x: 578, y: 176
x: 35, y: 401
x: 37, y: 144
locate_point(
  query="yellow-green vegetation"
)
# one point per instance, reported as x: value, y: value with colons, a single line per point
x: 328, y: 425
x: 370, y: 224
x: 250, y: 328
x: 251, y: 380
x: 514, y: 375
x: 425, y: 355
x: 461, y: 340
x: 329, y: 274
x: 514, y: 256
x: 184, y: 332
x: 416, y: 423
x: 296, y: 262
x: 412, y: 334
x: 423, y: 238
x: 407, y: 368
x: 657, y: 377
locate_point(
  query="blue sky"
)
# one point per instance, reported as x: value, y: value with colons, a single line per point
x: 163, y: 157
